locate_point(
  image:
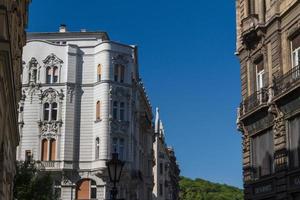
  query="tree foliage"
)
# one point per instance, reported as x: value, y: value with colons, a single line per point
x: 30, y: 183
x: 199, y: 189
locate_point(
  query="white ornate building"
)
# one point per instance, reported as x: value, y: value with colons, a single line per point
x: 82, y: 99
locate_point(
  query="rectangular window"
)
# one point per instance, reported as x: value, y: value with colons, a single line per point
x: 116, y: 72
x: 160, y: 189
x: 122, y: 73
x: 121, y: 150
x: 296, y: 56
x: 161, y: 169
x: 122, y: 111
x: 115, y: 145
x: 294, y: 141
x: 260, y: 75
x: 115, y: 110
x: 263, y: 153
x: 28, y: 155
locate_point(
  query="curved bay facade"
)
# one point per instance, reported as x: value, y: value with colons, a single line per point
x: 82, y: 99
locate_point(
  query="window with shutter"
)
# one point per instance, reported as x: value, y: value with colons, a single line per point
x: 52, y: 152
x: 44, y: 150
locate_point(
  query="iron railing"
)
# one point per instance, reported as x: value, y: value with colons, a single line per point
x: 254, y: 100
x: 286, y: 81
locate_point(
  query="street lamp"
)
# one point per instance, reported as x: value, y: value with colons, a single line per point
x: 115, y: 167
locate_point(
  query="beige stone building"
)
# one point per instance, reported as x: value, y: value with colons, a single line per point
x: 268, y: 47
x: 13, y: 20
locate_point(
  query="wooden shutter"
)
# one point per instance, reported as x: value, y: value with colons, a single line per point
x: 52, y: 149
x: 83, y: 190
x: 98, y: 110
x: 99, y: 72
x: 44, y: 150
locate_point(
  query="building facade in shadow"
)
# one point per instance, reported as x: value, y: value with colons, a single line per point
x: 268, y: 48
x: 13, y: 21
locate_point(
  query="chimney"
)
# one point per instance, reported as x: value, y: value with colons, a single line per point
x: 62, y: 28
x: 83, y: 30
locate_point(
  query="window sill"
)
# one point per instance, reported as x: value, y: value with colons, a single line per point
x: 97, y: 120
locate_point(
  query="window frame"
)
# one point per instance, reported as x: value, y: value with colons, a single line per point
x: 48, y: 111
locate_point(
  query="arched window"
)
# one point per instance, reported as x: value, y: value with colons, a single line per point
x: 52, y: 151
x: 97, y: 151
x: 86, y: 189
x: 54, y: 111
x: 48, y: 75
x: 44, y: 155
x: 98, y: 110
x: 55, y: 75
x: 46, y: 111
x: 99, y: 73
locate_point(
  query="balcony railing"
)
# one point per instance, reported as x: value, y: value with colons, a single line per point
x: 257, y: 98
x: 286, y: 81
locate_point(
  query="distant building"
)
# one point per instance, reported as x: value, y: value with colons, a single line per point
x: 82, y: 100
x: 166, y: 170
x: 268, y: 46
x: 13, y: 21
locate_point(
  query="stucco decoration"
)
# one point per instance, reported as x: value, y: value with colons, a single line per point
x: 245, y: 136
x: 119, y: 126
x: 52, y: 60
x: 279, y: 122
x: 120, y: 93
x: 34, y: 71
x: 51, y: 95
x: 121, y: 59
x: 70, y: 92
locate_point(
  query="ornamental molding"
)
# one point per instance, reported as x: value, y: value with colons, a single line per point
x: 120, y: 92
x: 279, y: 121
x: 70, y: 92
x: 51, y: 95
x: 52, y: 60
x: 119, y: 126
x: 120, y: 59
x: 49, y: 129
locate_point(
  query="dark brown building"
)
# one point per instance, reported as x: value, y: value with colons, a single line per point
x: 268, y: 47
x: 13, y: 20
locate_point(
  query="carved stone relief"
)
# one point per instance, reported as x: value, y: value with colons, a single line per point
x: 51, y: 95
x: 52, y: 60
x: 121, y: 59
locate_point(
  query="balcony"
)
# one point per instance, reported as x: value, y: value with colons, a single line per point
x: 255, y: 100
x: 249, y: 23
x: 287, y: 81
x: 55, y: 165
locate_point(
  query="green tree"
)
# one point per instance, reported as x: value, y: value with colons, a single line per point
x: 199, y: 189
x: 31, y: 183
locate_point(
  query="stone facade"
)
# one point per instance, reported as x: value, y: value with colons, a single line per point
x: 166, y: 170
x: 83, y: 99
x: 268, y: 47
x: 13, y: 21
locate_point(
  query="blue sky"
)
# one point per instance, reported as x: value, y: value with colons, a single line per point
x: 187, y: 61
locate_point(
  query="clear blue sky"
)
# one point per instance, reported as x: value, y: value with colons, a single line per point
x: 187, y: 61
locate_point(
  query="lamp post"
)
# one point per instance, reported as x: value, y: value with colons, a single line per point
x: 115, y: 167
